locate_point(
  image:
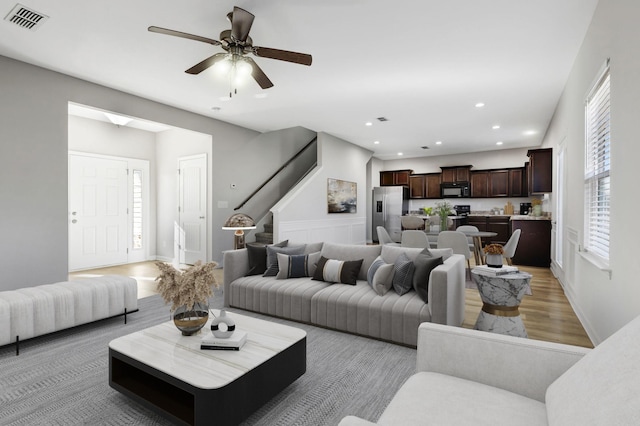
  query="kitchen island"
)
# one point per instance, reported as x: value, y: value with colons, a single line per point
x: 534, y: 247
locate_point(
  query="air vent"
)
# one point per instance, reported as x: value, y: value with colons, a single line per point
x: 26, y: 18
x: 383, y: 119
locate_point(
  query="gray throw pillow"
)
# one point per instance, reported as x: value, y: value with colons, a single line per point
x: 257, y: 254
x: 297, y: 265
x: 403, y: 276
x: 272, y: 269
x: 423, y: 267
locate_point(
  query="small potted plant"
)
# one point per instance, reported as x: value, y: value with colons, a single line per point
x: 536, y: 206
x: 493, y: 254
x: 189, y: 292
x: 443, y: 209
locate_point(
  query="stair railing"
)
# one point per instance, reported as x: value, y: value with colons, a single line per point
x: 270, y: 178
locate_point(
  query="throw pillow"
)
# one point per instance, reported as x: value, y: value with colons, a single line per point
x: 271, y: 255
x: 423, y: 267
x: 272, y: 269
x: 257, y: 254
x: 380, y: 276
x: 297, y: 266
x: 337, y: 271
x: 403, y: 274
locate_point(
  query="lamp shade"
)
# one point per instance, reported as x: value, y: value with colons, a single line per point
x: 239, y: 221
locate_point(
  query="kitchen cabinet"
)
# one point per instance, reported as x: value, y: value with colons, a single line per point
x: 456, y: 174
x: 534, y: 246
x: 498, y: 183
x: 480, y: 184
x: 540, y: 170
x: 497, y: 224
x: 395, y: 177
x: 517, y: 183
x: 426, y: 185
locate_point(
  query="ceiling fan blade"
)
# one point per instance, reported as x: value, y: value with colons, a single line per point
x: 283, y: 55
x: 258, y: 75
x: 241, y: 22
x: 184, y: 35
x: 209, y: 62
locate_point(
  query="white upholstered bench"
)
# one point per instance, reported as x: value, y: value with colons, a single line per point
x: 33, y: 311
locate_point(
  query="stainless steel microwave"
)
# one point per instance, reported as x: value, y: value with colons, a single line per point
x: 454, y: 190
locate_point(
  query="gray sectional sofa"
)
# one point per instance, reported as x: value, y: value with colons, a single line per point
x: 359, y: 308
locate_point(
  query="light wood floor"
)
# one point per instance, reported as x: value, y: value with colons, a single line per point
x: 547, y: 314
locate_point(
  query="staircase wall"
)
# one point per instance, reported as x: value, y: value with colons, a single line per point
x: 302, y: 215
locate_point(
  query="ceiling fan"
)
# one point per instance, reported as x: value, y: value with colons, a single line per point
x: 237, y: 44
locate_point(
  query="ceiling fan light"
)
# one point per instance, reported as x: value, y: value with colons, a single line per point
x: 243, y: 68
x: 222, y: 67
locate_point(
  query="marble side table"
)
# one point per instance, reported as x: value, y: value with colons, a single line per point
x: 501, y: 296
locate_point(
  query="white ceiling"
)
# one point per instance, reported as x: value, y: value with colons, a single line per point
x: 422, y: 64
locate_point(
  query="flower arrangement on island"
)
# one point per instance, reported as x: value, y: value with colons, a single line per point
x: 493, y: 249
x: 536, y: 202
x: 188, y: 287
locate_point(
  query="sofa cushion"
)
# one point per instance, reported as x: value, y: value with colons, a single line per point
x: 257, y: 254
x: 337, y: 271
x: 423, y: 266
x: 436, y: 399
x: 603, y: 387
x: 272, y: 257
x: 297, y: 266
x: 380, y: 276
x: 358, y: 309
x: 281, y: 298
x: 352, y: 252
x: 403, y: 274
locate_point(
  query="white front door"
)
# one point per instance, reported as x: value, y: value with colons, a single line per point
x: 97, y: 212
x: 192, y: 209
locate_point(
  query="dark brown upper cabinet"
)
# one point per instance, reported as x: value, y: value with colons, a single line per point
x: 395, y: 177
x: 540, y: 170
x: 425, y: 185
x: 480, y: 184
x: 517, y: 182
x: 499, y: 183
x: 456, y: 174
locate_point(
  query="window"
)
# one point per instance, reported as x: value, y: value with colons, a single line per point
x: 137, y: 209
x: 597, y: 168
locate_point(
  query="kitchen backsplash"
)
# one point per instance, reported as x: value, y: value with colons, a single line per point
x: 479, y: 204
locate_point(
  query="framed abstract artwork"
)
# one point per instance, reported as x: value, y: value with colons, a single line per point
x: 342, y: 196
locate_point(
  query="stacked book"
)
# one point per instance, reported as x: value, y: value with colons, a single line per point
x: 504, y: 269
x: 231, y: 343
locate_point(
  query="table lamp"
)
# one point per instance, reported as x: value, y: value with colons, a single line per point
x: 239, y: 222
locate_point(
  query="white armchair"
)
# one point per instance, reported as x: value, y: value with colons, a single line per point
x: 470, y: 377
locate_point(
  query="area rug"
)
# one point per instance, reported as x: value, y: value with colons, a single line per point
x: 62, y: 379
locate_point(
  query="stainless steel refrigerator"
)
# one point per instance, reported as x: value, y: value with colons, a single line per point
x: 389, y: 204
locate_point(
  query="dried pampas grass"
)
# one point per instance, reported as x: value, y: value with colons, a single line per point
x: 186, y: 287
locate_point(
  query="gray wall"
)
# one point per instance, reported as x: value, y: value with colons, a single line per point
x: 33, y: 164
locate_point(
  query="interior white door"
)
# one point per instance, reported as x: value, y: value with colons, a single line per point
x: 97, y: 212
x: 192, y: 208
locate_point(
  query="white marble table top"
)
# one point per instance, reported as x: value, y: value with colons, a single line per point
x: 504, y: 290
x: 164, y: 348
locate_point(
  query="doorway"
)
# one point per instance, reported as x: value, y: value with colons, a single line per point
x: 108, y: 210
x: 191, y: 239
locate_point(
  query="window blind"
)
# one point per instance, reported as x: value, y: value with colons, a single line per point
x: 597, y: 167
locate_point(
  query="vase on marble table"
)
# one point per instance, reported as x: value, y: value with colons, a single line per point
x: 190, y: 321
x: 494, y: 260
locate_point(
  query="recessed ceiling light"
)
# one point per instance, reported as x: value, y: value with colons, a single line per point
x: 400, y: 153
x: 479, y: 105
x: 118, y: 120
x: 376, y: 142
x: 438, y: 142
x: 529, y: 132
x: 498, y: 143
x: 368, y: 123
x: 496, y: 127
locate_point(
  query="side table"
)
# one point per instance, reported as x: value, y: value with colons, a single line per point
x: 501, y: 296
